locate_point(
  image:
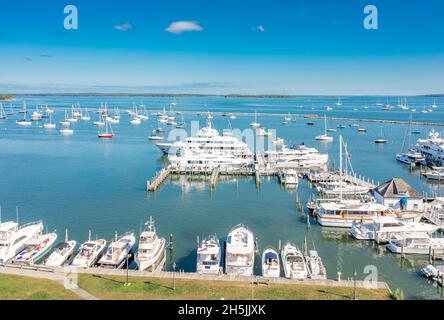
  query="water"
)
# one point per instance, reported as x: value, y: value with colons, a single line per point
x: 82, y: 182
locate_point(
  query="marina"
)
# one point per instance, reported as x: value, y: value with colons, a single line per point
x: 194, y: 189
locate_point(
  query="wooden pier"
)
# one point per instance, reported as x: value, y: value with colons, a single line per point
x: 158, y: 179
x: 214, y: 177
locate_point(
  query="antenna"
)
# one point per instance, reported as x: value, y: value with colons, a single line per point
x: 66, y: 235
x: 17, y: 213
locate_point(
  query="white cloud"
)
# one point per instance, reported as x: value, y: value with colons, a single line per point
x: 259, y: 28
x: 124, y: 27
x: 179, y: 27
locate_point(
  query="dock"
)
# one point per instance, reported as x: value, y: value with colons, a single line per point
x: 158, y: 179
x: 433, y: 217
x: 316, y: 177
x: 214, y: 177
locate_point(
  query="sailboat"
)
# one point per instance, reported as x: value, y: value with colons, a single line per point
x: 339, y: 103
x: 107, y: 134
x: 100, y: 122
x: 255, y: 124
x: 381, y: 139
x: 65, y: 122
x: 85, y: 116
x: 324, y: 137
x: 73, y: 117
x: 2, y: 112
x: 434, y: 105
x: 410, y: 157
x: 181, y: 125
x: 50, y: 124
x: 23, y: 122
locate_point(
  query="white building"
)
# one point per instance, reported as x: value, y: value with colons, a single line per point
x: 398, y: 194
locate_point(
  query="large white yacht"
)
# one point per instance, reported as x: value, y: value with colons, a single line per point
x: 344, y: 212
x: 208, y: 256
x: 209, y: 149
x: 380, y: 228
x: 151, y: 252
x: 240, y: 251
x: 117, y: 254
x: 432, y: 148
x: 415, y: 243
x: 296, y: 157
x: 14, y: 239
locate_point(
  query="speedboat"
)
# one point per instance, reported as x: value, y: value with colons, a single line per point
x: 36, y: 249
x: 89, y: 253
x: 380, y: 228
x: 151, y: 252
x: 293, y: 262
x: 118, y: 251
x: 13, y: 238
x: 271, y: 266
x: 62, y: 252
x: 240, y: 252
x: 208, y: 256
x: 316, y: 269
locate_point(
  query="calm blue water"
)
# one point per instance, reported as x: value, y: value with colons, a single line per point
x: 82, y: 182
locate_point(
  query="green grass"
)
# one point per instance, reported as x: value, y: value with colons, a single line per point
x: 112, y: 288
x: 26, y: 288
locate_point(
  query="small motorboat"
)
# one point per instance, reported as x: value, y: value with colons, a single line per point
x: 271, y: 266
x: 293, y: 262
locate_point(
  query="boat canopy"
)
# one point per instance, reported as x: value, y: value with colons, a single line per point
x: 271, y: 256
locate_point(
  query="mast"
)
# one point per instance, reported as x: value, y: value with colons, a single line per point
x: 340, y: 167
x: 66, y: 235
x: 89, y: 235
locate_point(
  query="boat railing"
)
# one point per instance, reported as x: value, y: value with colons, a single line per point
x: 31, y: 223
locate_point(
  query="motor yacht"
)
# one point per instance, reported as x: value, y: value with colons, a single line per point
x: 118, y: 251
x: 293, y: 262
x: 240, y: 251
x: 150, y: 255
x: 208, y: 256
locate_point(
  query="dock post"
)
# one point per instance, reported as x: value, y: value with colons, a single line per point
x: 430, y: 254
x: 308, y: 222
x: 339, y: 276
x: 402, y: 251
x: 280, y: 245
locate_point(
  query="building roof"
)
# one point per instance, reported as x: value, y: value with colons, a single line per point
x: 397, y: 188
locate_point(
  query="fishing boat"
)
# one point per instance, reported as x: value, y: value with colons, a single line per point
x: 36, y: 249
x: 414, y: 243
x: 316, y: 269
x: 381, y: 139
x: 324, y: 137
x: 208, y: 256
x: 240, y: 251
x: 150, y: 255
x: 118, y: 251
x: 13, y: 238
x: 271, y: 266
x: 50, y: 124
x: 108, y: 134
x: 62, y: 252
x: 380, y: 228
x: 255, y: 124
x: 293, y: 262
x: 89, y: 253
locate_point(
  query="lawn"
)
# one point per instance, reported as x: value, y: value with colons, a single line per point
x: 112, y: 288
x: 26, y: 288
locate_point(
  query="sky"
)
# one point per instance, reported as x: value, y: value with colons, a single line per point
x: 295, y: 47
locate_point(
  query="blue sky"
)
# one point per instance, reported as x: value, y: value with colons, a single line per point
x: 261, y: 46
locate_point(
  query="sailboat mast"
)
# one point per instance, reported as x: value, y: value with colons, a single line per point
x: 340, y: 167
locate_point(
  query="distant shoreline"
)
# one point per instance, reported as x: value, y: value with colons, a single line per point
x: 184, y: 95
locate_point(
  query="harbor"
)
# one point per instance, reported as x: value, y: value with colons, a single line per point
x: 197, y: 196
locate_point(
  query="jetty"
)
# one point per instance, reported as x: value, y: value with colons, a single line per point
x: 159, y: 178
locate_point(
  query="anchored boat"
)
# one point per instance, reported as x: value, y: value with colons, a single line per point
x: 36, y: 249
x: 89, y: 253
x: 62, y: 252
